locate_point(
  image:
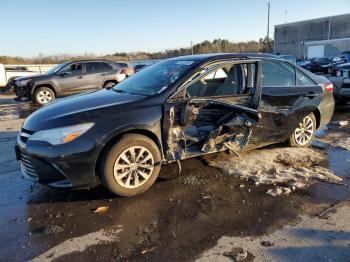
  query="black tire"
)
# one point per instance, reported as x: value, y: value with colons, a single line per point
x: 49, y: 95
x: 293, y: 140
x: 110, y: 160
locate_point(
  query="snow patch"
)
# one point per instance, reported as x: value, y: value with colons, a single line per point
x: 293, y: 167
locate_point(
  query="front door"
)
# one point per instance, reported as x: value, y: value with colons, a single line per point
x: 70, y: 79
x: 216, y: 111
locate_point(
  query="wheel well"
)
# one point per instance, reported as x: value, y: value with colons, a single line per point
x: 116, y: 138
x: 317, y: 115
x: 45, y: 85
x: 110, y: 81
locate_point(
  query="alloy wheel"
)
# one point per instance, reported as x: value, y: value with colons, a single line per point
x: 304, y: 132
x: 133, y: 167
x: 44, y: 97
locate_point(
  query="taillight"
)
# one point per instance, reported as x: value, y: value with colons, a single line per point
x: 328, y: 87
x: 123, y: 72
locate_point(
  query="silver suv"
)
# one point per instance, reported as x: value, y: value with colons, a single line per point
x: 71, y: 78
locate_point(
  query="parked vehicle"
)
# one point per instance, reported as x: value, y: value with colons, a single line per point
x: 7, y: 74
x: 71, y: 78
x: 342, y: 83
x: 289, y: 58
x: 315, y: 65
x: 138, y: 68
x: 343, y: 70
x: 173, y: 110
x: 337, y: 60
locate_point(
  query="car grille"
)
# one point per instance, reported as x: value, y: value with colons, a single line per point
x: 27, y: 167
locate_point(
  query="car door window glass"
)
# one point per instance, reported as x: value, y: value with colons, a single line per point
x: 95, y: 67
x: 303, y: 80
x: 221, y: 82
x: 73, y: 69
x: 277, y: 74
x: 106, y: 67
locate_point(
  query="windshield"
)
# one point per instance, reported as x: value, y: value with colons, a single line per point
x: 56, y: 68
x: 155, y: 78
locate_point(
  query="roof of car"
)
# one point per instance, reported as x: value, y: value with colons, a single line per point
x: 91, y: 60
x: 219, y: 56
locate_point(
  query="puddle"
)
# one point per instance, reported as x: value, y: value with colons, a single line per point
x: 11, y: 109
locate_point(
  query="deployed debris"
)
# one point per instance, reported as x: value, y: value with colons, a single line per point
x: 101, y: 209
x: 267, y: 243
x: 237, y: 254
x: 53, y: 229
x: 279, y: 191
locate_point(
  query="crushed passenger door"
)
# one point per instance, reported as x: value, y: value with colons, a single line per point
x: 199, y: 125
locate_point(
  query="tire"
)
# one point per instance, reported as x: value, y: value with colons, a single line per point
x: 129, y: 179
x: 44, y: 95
x: 307, y: 123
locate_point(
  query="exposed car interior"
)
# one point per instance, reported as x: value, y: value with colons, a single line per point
x: 226, y: 81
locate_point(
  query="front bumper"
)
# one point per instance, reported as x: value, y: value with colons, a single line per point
x: 67, y: 165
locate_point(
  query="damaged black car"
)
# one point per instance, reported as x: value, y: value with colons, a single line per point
x: 175, y: 109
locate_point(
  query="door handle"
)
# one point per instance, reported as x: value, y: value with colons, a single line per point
x: 80, y: 77
x: 311, y: 95
x: 103, y: 74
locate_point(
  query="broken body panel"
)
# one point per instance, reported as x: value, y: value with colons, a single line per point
x: 196, y: 126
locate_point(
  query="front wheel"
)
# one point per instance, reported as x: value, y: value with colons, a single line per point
x: 43, y: 96
x: 304, y: 133
x: 131, y: 166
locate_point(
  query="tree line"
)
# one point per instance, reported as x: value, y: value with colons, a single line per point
x: 216, y: 46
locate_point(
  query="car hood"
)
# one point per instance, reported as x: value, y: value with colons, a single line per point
x: 81, y: 108
x: 36, y: 77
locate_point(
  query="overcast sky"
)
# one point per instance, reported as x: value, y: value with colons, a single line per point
x: 30, y: 27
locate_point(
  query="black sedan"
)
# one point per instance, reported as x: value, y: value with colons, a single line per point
x: 173, y: 110
x: 316, y: 64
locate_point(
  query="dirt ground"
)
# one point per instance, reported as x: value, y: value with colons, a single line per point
x: 208, y: 213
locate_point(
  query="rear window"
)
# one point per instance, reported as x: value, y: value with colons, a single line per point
x: 277, y: 74
x: 97, y: 67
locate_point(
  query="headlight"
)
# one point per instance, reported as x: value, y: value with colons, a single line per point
x: 57, y: 136
x: 21, y: 83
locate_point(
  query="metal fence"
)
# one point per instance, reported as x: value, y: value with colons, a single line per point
x: 42, y: 68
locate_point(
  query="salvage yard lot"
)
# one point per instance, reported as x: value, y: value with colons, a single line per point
x: 205, y: 213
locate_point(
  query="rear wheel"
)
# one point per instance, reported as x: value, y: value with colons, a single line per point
x: 131, y: 166
x: 304, y: 133
x: 43, y: 96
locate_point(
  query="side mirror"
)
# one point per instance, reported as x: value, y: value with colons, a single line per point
x: 62, y: 74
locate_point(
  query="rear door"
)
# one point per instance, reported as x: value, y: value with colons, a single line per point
x: 94, y: 74
x: 211, y: 114
x: 288, y: 95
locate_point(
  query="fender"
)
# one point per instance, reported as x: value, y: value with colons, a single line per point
x: 40, y: 83
x: 154, y: 132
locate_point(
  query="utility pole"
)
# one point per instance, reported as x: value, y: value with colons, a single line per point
x: 192, y: 47
x: 268, y: 28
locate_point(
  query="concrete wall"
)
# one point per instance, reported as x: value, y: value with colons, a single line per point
x: 293, y: 38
